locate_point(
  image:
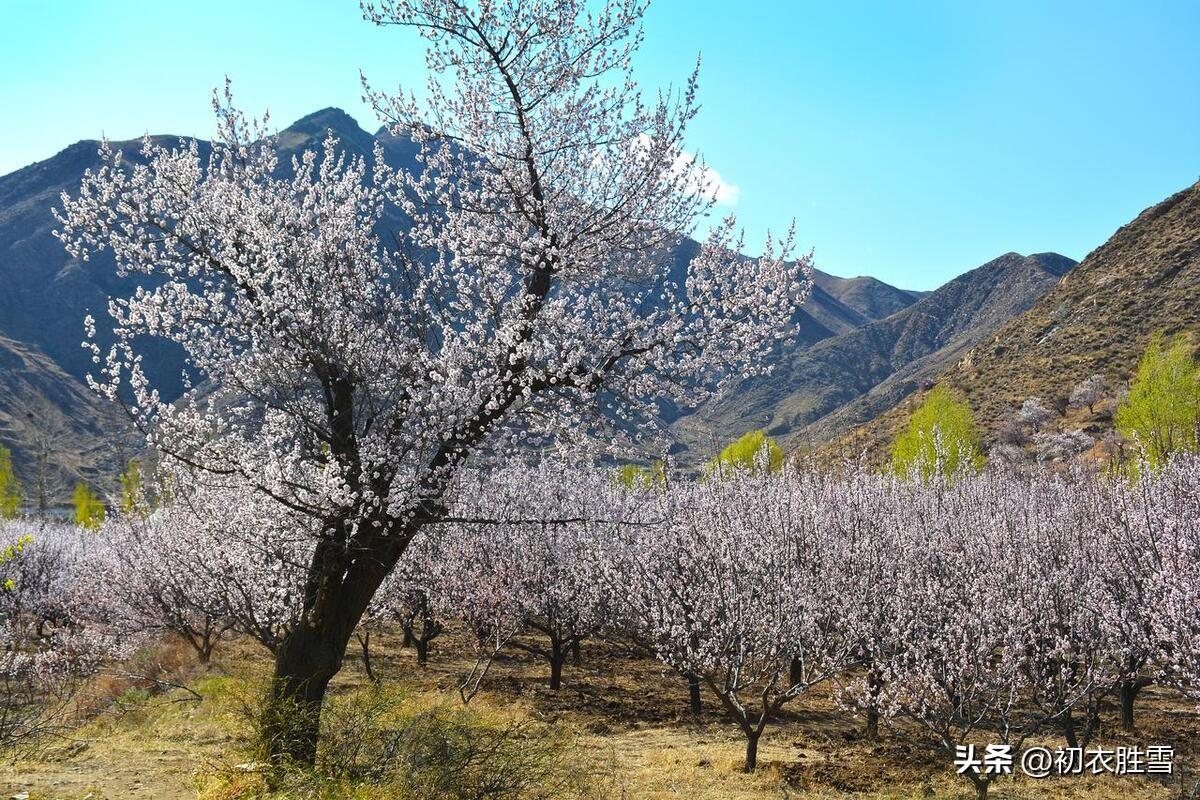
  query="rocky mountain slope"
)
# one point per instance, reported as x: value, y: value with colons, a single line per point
x: 59, y: 431
x: 818, y: 393
x: 1097, y: 319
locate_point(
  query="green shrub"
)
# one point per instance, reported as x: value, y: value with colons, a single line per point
x: 11, y: 497
x: 636, y: 476
x: 378, y: 743
x: 89, y: 508
x: 133, y: 696
x: 133, y: 493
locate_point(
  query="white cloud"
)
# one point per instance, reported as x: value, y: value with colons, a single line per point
x: 705, y: 180
x: 727, y: 193
x: 709, y: 182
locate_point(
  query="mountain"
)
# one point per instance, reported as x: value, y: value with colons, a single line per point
x: 817, y: 393
x: 870, y: 297
x: 60, y: 432
x: 1097, y: 319
x: 47, y: 294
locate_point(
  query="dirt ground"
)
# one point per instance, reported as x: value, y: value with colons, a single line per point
x: 625, y: 714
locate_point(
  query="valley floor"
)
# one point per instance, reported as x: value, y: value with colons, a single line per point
x: 622, y: 714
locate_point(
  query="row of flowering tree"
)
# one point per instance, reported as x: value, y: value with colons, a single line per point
x: 995, y: 605
x: 998, y: 605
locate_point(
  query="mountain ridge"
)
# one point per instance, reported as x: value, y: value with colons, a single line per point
x: 819, y: 393
x: 49, y: 293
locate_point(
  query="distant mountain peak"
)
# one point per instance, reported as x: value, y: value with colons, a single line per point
x: 331, y: 117
x: 818, y: 392
x: 1096, y: 319
x: 1054, y: 263
x: 309, y: 131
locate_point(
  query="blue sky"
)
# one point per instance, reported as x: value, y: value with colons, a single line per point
x: 909, y: 140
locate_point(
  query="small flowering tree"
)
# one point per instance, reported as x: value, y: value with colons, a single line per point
x: 1062, y: 447
x: 561, y: 594
x: 864, y: 521
x: 1125, y: 567
x: 351, y: 380
x: 216, y: 558
x: 1033, y: 415
x: 44, y: 590
x: 1089, y: 392
x: 51, y: 642
x: 530, y: 551
x: 1053, y: 586
x: 951, y: 671
x: 733, y: 588
x: 1175, y: 585
x: 409, y: 597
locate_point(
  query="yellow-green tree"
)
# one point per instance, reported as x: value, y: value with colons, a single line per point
x: 941, y: 438
x: 10, y: 552
x: 752, y: 451
x: 10, y: 487
x: 633, y: 476
x: 89, y: 508
x: 133, y: 494
x: 1162, y: 411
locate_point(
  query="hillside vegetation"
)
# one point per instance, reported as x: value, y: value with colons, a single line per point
x: 1098, y: 319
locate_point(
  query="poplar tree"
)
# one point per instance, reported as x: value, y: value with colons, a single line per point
x: 1162, y: 411
x: 11, y: 497
x: 941, y: 438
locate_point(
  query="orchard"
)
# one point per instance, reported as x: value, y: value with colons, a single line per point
x: 1017, y: 604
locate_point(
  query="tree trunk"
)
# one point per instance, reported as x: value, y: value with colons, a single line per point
x: 1068, y: 725
x: 430, y: 630
x: 1091, y: 724
x: 304, y: 664
x: 409, y: 638
x: 364, y: 641
x: 752, y: 750
x: 422, y: 645
x: 872, y: 724
x: 336, y: 594
x: 557, y: 657
x: 202, y: 642
x: 1129, y: 692
x: 576, y: 654
x: 795, y: 672
x: 693, y: 682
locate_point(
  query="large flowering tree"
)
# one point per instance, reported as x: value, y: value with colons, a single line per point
x: 348, y: 373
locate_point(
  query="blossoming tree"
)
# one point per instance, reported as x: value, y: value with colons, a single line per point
x: 349, y: 373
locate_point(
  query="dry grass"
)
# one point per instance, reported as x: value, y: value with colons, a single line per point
x: 623, y: 714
